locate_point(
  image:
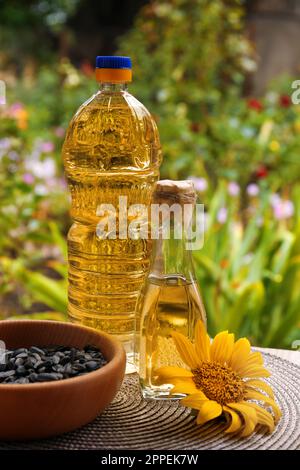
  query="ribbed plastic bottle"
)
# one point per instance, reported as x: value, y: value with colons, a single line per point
x: 111, y: 149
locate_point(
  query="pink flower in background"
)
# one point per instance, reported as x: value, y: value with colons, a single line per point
x: 5, y: 143
x: 233, y: 188
x: 59, y: 131
x: 63, y: 183
x: 28, y: 178
x: 13, y: 155
x: 282, y: 208
x: 222, y: 215
x: 47, y: 147
x: 15, y: 108
x: 252, y: 189
x: 274, y: 199
x: 200, y: 184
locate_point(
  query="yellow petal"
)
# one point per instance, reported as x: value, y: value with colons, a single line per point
x: 254, y: 395
x: 255, y: 359
x: 183, y: 385
x: 202, y: 342
x: 186, y: 350
x: 236, y: 422
x: 250, y: 384
x: 222, y: 347
x: 255, y: 372
x: 194, y: 401
x: 264, y: 417
x: 209, y: 409
x: 249, y: 417
x: 240, y: 353
x: 170, y: 371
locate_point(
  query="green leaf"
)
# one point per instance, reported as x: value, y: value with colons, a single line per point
x: 50, y: 292
x: 58, y: 239
x: 285, y: 327
x: 250, y: 297
x: 211, y: 269
x: 281, y: 258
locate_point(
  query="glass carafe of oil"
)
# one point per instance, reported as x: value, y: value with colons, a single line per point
x: 170, y: 300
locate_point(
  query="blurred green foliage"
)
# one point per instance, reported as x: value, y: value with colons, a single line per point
x: 190, y: 62
x: 190, y: 59
x: 34, y: 22
x: 249, y: 273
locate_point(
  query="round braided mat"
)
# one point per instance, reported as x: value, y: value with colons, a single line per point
x: 133, y: 423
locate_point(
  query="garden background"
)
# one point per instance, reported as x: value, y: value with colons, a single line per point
x: 225, y: 118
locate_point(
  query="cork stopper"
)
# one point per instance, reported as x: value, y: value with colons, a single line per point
x: 170, y: 192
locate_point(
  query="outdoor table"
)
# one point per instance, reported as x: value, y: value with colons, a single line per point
x: 131, y: 422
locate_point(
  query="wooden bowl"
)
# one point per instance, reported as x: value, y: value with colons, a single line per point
x: 38, y: 410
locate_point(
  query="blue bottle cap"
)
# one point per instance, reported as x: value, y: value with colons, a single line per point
x: 113, y: 62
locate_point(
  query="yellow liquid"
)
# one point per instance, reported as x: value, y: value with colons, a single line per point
x: 111, y: 149
x: 170, y: 303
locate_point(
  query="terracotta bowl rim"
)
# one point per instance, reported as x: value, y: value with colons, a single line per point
x: 105, y: 370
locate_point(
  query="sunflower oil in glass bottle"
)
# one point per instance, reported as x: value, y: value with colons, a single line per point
x: 170, y: 300
x: 111, y: 149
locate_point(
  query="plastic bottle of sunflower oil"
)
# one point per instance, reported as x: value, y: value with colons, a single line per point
x: 170, y: 300
x: 111, y: 150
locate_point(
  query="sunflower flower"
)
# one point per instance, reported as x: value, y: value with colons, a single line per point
x: 224, y: 379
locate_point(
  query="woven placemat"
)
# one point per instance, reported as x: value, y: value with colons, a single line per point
x: 133, y: 423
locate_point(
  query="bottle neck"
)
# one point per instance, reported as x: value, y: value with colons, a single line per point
x: 113, y: 87
x: 170, y: 256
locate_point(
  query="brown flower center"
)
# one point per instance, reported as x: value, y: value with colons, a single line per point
x: 219, y: 383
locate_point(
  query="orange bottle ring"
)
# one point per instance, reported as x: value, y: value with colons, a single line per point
x: 113, y: 75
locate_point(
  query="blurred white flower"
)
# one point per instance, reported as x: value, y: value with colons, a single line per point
x: 200, y: 184
x: 272, y: 97
x: 41, y: 190
x: 162, y: 95
x: 5, y: 143
x: 234, y: 122
x: 44, y: 169
x: 253, y: 189
x: 259, y: 221
x: 222, y: 215
x: 72, y: 79
x: 248, y: 64
x: 10, y: 209
x: 247, y: 258
x: 275, y: 199
x: 248, y: 132
x: 33, y: 224
x: 233, y: 188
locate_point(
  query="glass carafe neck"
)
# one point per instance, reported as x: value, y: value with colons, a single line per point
x: 171, y: 257
x: 113, y: 87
